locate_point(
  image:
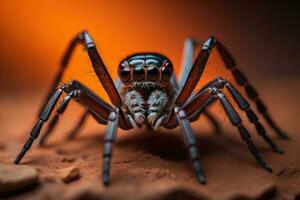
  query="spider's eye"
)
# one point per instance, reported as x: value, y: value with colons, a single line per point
x: 152, y: 73
x: 139, y: 73
x: 124, y: 74
x: 166, y: 72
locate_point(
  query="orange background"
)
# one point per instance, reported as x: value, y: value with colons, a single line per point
x: 34, y: 34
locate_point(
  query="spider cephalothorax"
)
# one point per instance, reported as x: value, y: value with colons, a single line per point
x: 147, y: 87
x: 149, y: 93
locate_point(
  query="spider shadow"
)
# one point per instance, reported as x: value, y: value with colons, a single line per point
x: 170, y: 145
x: 166, y: 144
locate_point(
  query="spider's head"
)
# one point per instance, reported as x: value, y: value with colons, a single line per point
x: 145, y: 67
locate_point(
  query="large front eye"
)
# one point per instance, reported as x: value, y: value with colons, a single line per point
x: 139, y: 73
x: 166, y: 73
x: 124, y: 74
x: 152, y: 73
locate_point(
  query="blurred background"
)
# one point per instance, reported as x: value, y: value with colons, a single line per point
x: 262, y: 35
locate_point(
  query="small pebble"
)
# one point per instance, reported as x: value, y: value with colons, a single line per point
x: 69, y: 174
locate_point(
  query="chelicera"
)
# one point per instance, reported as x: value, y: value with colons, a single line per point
x: 147, y: 93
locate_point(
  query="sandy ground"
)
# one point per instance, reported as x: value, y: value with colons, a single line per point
x: 148, y: 165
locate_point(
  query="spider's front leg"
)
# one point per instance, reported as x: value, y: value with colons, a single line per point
x: 85, y: 39
x: 186, y: 65
x: 102, y: 112
x: 43, y: 117
x: 99, y: 67
x: 178, y: 115
x: 186, y: 108
x: 239, y: 77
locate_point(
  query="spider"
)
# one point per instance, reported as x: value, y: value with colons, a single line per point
x: 148, y: 94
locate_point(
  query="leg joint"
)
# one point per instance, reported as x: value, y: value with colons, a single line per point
x: 87, y: 39
x: 178, y: 111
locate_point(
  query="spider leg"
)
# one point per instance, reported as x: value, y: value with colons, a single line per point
x: 190, y: 142
x: 186, y: 66
x: 109, y: 138
x: 236, y: 121
x: 59, y: 74
x: 115, y: 118
x: 194, y: 73
x: 190, y: 76
x: 187, y: 60
x: 245, y: 106
x: 84, y: 116
x: 85, y: 39
x: 60, y: 110
x: 54, y: 120
x: 251, y: 92
x: 209, y: 116
x: 44, y: 116
x: 203, y: 98
x: 82, y: 119
x: 52, y: 124
x: 99, y: 109
x: 221, y: 83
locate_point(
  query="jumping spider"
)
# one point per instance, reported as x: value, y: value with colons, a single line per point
x: 147, y: 93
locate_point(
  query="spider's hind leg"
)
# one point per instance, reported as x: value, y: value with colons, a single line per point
x: 237, y: 122
x: 251, y: 92
x: 245, y: 106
